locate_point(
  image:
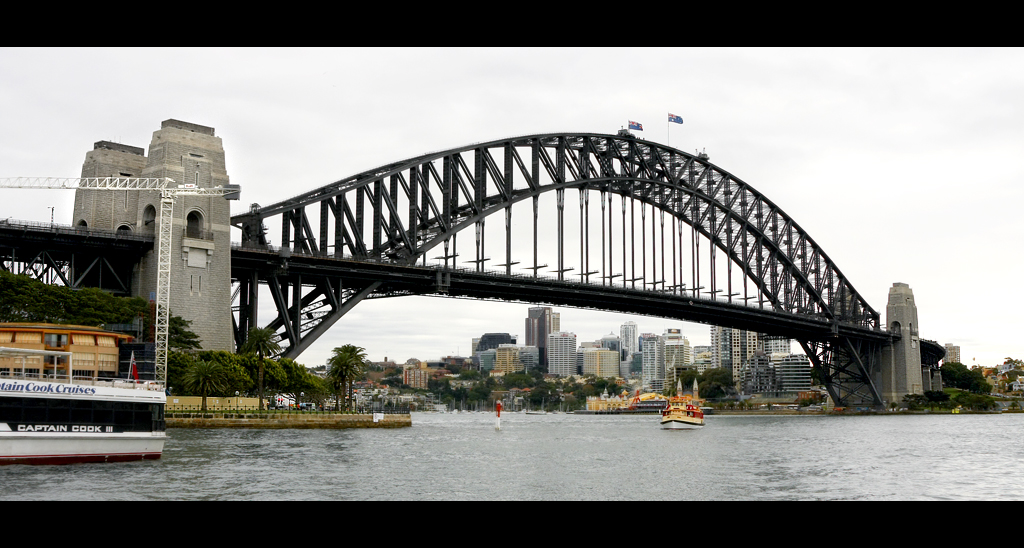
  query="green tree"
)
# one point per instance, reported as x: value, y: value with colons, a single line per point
x: 177, y: 366
x: 179, y: 337
x: 479, y: 392
x: 915, y: 401
x: 517, y: 380
x: 956, y: 375
x: 972, y: 400
x: 716, y: 383
x: 300, y: 384
x: 240, y: 369
x: 260, y: 342
x: 206, y: 377
x: 344, y: 366
x: 23, y: 299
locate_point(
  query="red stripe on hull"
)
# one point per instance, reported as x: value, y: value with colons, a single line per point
x: 72, y: 459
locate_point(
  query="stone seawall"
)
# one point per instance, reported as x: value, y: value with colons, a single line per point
x: 284, y: 420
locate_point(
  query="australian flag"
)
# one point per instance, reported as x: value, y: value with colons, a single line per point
x: 674, y: 118
x: 635, y: 125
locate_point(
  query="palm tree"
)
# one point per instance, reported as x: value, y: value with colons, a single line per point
x: 346, y: 363
x: 206, y: 377
x: 260, y: 341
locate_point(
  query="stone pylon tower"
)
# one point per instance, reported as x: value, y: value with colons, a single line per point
x: 901, y: 362
x: 201, y: 254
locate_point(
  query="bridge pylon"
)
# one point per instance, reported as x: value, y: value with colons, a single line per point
x: 901, y: 359
x: 199, y: 246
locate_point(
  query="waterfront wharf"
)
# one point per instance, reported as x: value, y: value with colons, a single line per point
x: 242, y: 419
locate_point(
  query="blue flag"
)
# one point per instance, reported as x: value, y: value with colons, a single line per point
x: 674, y: 118
x: 635, y: 125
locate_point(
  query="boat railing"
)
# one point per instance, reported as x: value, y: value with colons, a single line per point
x: 83, y: 380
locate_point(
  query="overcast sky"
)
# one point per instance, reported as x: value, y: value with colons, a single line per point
x: 903, y: 165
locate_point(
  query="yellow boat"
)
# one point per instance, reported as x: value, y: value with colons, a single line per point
x: 683, y: 411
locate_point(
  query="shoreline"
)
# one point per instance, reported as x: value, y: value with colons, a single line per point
x: 792, y: 412
x: 287, y: 420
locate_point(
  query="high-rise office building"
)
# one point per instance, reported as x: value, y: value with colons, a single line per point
x: 600, y: 362
x: 653, y: 374
x: 774, y: 345
x: 561, y: 348
x: 793, y: 373
x: 530, y: 357
x: 952, y: 354
x: 539, y: 324
x: 612, y: 342
x: 506, y: 359
x: 487, y: 358
x: 759, y: 375
x: 630, y: 337
x: 731, y: 348
x: 494, y: 340
x: 702, y: 358
x: 677, y: 354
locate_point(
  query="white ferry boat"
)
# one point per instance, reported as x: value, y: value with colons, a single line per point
x: 56, y: 419
x: 683, y: 411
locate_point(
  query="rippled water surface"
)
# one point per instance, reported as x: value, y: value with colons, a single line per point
x: 566, y: 457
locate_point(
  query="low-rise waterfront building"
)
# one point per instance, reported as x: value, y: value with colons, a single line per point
x: 604, y: 402
x: 95, y: 353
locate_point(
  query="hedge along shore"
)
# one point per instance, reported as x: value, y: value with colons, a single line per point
x: 285, y: 420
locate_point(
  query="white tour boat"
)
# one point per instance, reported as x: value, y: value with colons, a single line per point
x: 58, y: 419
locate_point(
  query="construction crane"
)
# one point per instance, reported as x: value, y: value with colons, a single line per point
x: 169, y: 192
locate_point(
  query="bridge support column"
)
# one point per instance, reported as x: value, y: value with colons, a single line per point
x: 901, y: 360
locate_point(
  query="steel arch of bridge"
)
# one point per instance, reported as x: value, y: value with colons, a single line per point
x: 397, y: 213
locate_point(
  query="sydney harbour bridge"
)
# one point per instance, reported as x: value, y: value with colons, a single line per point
x: 597, y: 221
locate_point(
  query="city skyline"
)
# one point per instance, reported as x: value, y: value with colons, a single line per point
x: 853, y: 144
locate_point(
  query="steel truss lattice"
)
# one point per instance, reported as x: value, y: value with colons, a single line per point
x: 404, y: 212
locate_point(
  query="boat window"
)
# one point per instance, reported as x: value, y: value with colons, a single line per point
x: 121, y: 416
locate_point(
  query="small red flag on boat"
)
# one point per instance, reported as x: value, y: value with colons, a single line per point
x: 134, y: 373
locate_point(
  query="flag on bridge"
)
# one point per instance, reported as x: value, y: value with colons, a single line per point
x: 674, y: 118
x: 635, y: 125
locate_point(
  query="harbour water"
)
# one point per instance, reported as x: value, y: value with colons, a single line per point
x: 567, y: 457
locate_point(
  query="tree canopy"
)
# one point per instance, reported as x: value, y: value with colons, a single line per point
x: 957, y: 375
x: 346, y: 364
x: 23, y: 299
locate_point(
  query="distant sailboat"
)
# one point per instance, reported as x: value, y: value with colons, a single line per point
x: 542, y: 410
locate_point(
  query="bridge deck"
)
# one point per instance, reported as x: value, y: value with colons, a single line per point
x: 423, y: 280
